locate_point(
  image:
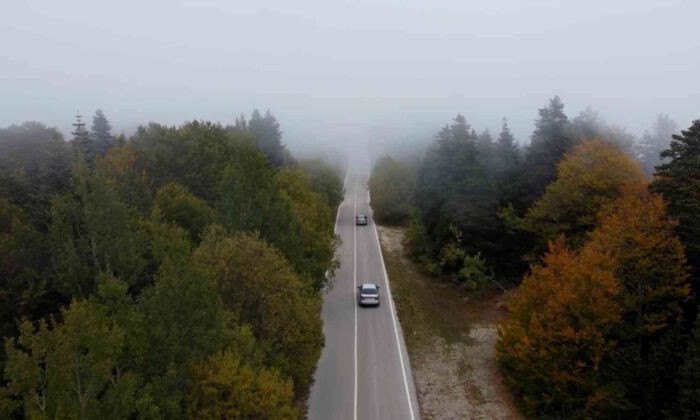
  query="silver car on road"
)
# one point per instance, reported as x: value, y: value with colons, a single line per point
x: 368, y: 294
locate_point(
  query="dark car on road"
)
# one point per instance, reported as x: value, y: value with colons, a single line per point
x: 361, y: 220
x: 368, y: 294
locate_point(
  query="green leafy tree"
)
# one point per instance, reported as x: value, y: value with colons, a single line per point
x: 247, y: 191
x: 194, y: 155
x: 253, y: 195
x: 474, y: 272
x: 93, y: 232
x: 315, y: 220
x: 180, y: 319
x: 120, y: 170
x: 392, y: 186
x: 179, y: 206
x: 225, y: 387
x: 34, y: 164
x: 325, y: 179
x: 25, y: 288
x: 261, y: 289
x: 71, y: 370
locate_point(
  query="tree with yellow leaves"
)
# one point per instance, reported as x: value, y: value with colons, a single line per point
x: 224, y: 387
x: 589, y: 177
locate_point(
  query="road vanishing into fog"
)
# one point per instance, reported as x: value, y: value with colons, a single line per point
x: 364, y: 372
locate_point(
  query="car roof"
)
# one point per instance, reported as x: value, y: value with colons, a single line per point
x: 369, y: 286
x: 361, y: 215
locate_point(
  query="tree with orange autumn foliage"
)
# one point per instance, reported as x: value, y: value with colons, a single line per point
x: 556, y: 337
x: 581, y: 310
x: 647, y: 260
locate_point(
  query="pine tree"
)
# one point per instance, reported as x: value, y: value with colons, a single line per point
x: 689, y: 382
x: 82, y: 143
x: 653, y: 143
x: 485, y: 142
x: 101, y: 132
x: 241, y: 123
x: 486, y: 150
x: 268, y: 137
x: 507, y: 148
x: 454, y: 189
x: 589, y: 125
x: 678, y: 181
x: 549, y: 142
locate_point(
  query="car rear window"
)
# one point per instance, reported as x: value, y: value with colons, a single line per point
x: 369, y: 290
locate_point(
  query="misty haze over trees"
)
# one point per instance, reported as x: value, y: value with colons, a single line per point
x: 166, y: 256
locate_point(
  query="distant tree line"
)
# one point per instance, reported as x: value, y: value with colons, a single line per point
x: 602, y: 323
x: 174, y: 274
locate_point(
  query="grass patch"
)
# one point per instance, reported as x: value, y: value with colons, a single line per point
x: 432, y: 306
x: 425, y: 306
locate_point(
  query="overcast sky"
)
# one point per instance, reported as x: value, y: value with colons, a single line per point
x: 333, y: 71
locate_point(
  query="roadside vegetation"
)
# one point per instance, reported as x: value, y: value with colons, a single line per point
x: 601, y: 260
x: 174, y: 274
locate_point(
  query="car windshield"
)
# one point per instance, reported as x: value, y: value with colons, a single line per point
x: 369, y: 290
x: 362, y: 216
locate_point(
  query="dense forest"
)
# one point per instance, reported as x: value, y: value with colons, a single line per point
x: 597, y: 236
x: 173, y: 274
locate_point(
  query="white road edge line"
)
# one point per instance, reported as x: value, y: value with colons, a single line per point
x: 327, y: 286
x: 337, y: 213
x: 354, y: 291
x: 393, y: 316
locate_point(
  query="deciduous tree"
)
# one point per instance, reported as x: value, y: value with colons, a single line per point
x: 260, y: 288
x: 392, y: 186
x: 587, y: 178
x: 225, y: 387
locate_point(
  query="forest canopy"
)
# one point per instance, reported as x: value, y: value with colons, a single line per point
x: 176, y: 273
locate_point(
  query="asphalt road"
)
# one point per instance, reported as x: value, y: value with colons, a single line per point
x: 364, y: 371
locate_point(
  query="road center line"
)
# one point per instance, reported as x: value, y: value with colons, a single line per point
x: 354, y: 290
x: 393, y: 316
